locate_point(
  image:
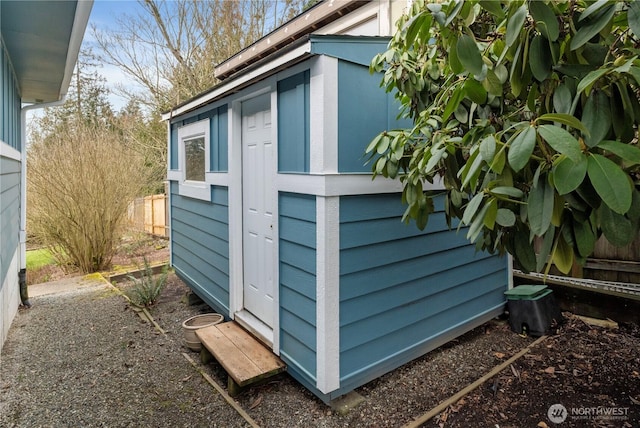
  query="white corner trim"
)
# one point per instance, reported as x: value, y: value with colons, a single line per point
x: 323, y: 126
x: 6, y: 151
x: 236, y: 273
x: 328, y: 294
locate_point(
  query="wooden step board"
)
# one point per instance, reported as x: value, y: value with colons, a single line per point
x: 245, y: 359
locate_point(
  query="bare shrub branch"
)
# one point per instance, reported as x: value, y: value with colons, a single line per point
x: 80, y: 183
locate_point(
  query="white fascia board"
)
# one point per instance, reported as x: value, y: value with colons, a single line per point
x: 80, y: 20
x: 342, y: 184
x: 6, y: 151
x: 228, y: 86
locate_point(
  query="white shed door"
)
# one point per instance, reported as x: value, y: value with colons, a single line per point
x: 257, y: 200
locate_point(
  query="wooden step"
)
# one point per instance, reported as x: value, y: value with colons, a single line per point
x: 245, y: 359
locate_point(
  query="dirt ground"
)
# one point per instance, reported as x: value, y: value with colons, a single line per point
x: 579, y: 376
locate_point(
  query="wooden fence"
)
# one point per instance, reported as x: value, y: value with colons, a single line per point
x: 150, y: 214
x: 610, y: 263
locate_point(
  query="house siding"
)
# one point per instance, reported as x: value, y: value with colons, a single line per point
x: 10, y: 179
x: 10, y: 105
x: 401, y: 288
x: 200, y: 244
x: 365, y: 111
x: 297, y: 246
x: 9, y: 209
x: 293, y: 124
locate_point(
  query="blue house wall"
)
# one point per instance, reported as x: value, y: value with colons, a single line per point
x: 10, y: 181
x: 401, y: 291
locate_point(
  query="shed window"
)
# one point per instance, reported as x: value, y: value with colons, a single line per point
x: 194, y: 159
x: 194, y: 167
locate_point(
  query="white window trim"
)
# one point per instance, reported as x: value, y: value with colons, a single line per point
x: 193, y: 189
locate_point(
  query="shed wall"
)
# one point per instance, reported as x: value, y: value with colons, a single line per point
x: 401, y: 290
x: 297, y: 243
x: 365, y: 110
x: 200, y: 244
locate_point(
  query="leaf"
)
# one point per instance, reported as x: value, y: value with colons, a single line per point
x: 383, y: 144
x: 542, y: 258
x: 540, y: 58
x: 562, y: 256
x: 420, y: 22
x: 488, y: 148
x: 562, y: 99
x: 491, y: 214
x: 565, y: 119
x: 585, y: 238
x: 521, y: 148
x: 492, y: 83
x: 593, y: 27
x: 508, y: 191
x: 472, y: 208
x: 476, y: 226
x: 627, y: 152
x: 616, y: 228
x: 454, y: 60
x: 475, y: 91
x: 568, y: 175
x: 589, y: 79
x: 633, y: 16
x: 469, y: 54
x: 540, y: 207
x: 561, y: 141
x: 610, y: 182
x: 493, y: 7
x: 505, y: 217
x: 524, y: 253
x: 592, y: 9
x: 497, y: 165
x: 515, y: 24
x: 546, y: 20
x: 454, y: 102
x: 596, y: 117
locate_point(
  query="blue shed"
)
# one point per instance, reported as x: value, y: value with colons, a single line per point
x: 276, y: 222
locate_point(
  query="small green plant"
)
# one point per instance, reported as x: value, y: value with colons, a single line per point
x: 147, y: 288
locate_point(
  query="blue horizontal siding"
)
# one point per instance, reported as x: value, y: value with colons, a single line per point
x: 400, y: 287
x: 200, y: 244
x: 9, y: 213
x: 297, y: 273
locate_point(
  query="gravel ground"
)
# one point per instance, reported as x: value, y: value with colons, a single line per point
x: 87, y: 359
